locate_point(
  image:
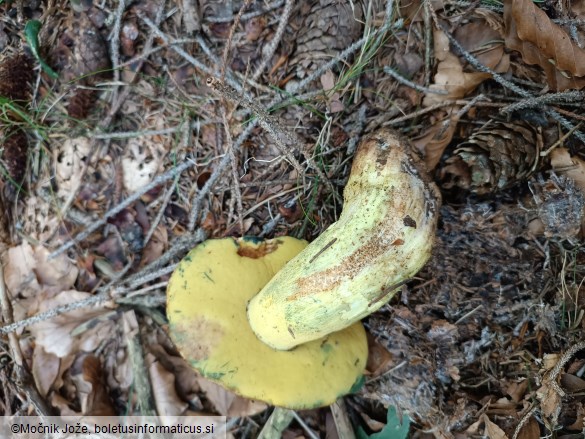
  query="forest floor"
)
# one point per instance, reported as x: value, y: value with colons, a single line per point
x: 117, y: 159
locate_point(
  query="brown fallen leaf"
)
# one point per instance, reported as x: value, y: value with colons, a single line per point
x: 530, y: 430
x: 228, y: 403
x: 55, y: 335
x: 254, y: 28
x: 432, y: 142
x: 379, y: 358
x: 450, y: 76
x: 45, y: 369
x: 485, y: 43
x: 166, y: 399
x: 531, y: 32
x: 96, y: 400
x: 492, y: 430
x: 573, y: 167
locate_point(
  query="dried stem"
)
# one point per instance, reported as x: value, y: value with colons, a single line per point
x: 269, y: 50
x: 228, y: 45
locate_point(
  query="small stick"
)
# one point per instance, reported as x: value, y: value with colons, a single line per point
x: 537, y: 101
x: 411, y: 84
x: 235, y: 177
x: 269, y: 50
x: 247, y: 16
x: 115, y: 41
x: 266, y: 121
x: 228, y: 45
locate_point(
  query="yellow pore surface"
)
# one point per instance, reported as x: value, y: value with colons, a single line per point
x: 206, y: 306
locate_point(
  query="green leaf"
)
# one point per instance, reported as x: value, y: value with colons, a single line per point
x: 31, y: 33
x: 394, y: 429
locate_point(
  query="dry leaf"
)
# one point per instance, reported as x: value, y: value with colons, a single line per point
x: 450, y: 76
x: 55, y: 274
x: 485, y: 43
x: 141, y: 162
x: 492, y: 430
x: 572, y: 167
x: 432, y: 143
x: 228, y: 403
x: 254, y: 28
x: 540, y: 41
x: 328, y: 80
x: 92, y: 391
x: 45, y: 369
x: 530, y: 430
x: 69, y: 159
x: 379, y: 358
x: 156, y: 246
x: 54, y: 335
x: 19, y: 274
x: 166, y: 399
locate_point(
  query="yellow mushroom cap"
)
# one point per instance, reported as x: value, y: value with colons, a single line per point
x: 207, y: 297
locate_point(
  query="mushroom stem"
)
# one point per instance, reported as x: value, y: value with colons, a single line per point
x: 383, y: 237
x: 277, y: 423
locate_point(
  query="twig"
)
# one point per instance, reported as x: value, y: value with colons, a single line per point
x: 279, y: 134
x: 428, y: 43
x: 115, y: 41
x: 556, y: 370
x: 307, y: 429
x: 228, y: 45
x: 411, y: 84
x: 559, y: 141
x: 180, y: 245
x: 46, y: 315
x: 235, y: 177
x: 247, y: 16
x: 134, y: 134
x: 549, y: 98
x: 268, y: 51
x: 127, y: 202
x: 523, y: 422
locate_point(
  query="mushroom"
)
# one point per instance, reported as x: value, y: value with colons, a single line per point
x: 278, y: 320
x: 206, y: 306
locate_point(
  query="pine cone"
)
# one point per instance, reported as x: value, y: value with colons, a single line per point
x: 16, y: 74
x: 81, y: 56
x: 329, y: 27
x: 14, y: 155
x: 493, y: 158
x: 80, y: 103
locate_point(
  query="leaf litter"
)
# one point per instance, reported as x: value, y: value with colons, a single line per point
x: 459, y: 350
